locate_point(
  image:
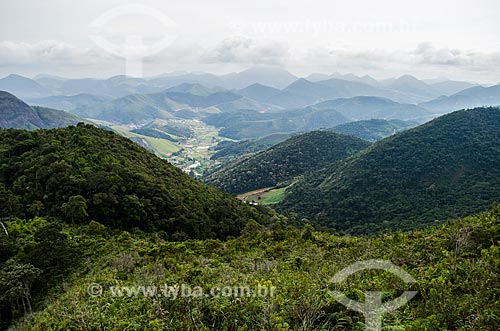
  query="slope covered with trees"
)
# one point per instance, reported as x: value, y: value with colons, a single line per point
x: 82, y: 173
x: 447, y: 168
x: 284, y: 161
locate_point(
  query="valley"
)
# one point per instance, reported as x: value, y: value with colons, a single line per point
x: 207, y: 180
x: 192, y: 154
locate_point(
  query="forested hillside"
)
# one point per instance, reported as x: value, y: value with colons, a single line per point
x: 293, y: 157
x: 229, y: 149
x: 447, y: 168
x: 82, y: 173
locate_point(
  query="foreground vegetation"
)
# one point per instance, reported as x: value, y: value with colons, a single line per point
x: 456, y: 267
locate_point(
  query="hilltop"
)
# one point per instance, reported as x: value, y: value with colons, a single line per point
x: 83, y: 173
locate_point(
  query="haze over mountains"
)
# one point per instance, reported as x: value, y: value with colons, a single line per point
x: 406, y: 89
x: 126, y: 100
x: 14, y: 113
x: 262, y: 101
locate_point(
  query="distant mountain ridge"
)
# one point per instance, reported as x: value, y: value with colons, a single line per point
x: 367, y: 107
x: 69, y: 102
x: 16, y: 114
x: 23, y: 87
x: 476, y: 96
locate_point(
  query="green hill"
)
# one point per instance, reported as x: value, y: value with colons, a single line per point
x: 83, y: 173
x: 16, y: 114
x: 447, y: 168
x: 284, y: 161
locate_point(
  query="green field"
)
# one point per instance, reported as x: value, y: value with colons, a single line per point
x: 161, y: 147
x: 267, y: 196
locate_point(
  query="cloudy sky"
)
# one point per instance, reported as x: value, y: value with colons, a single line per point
x: 457, y: 39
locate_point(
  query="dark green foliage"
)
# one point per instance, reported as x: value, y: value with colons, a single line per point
x: 16, y: 280
x: 280, y: 163
x: 444, y: 169
x: 82, y: 173
x: 75, y: 210
x: 51, y: 251
x: 34, y: 257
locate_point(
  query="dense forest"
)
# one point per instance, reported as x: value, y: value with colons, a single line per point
x: 227, y: 149
x: 82, y: 173
x: 447, y: 168
x: 295, y: 156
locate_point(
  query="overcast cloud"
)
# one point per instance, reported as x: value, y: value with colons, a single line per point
x: 455, y: 39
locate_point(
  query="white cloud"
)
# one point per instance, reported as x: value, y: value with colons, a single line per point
x: 424, y: 60
x: 51, y: 56
x: 243, y: 50
x: 428, y: 54
x: 44, y: 52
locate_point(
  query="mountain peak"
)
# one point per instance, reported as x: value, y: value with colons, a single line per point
x: 408, y: 78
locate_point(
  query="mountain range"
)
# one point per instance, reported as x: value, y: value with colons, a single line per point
x: 14, y: 113
x: 477, y: 96
x: 404, y: 89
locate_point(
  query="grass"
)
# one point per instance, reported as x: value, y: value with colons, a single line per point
x: 267, y: 196
x: 162, y: 147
